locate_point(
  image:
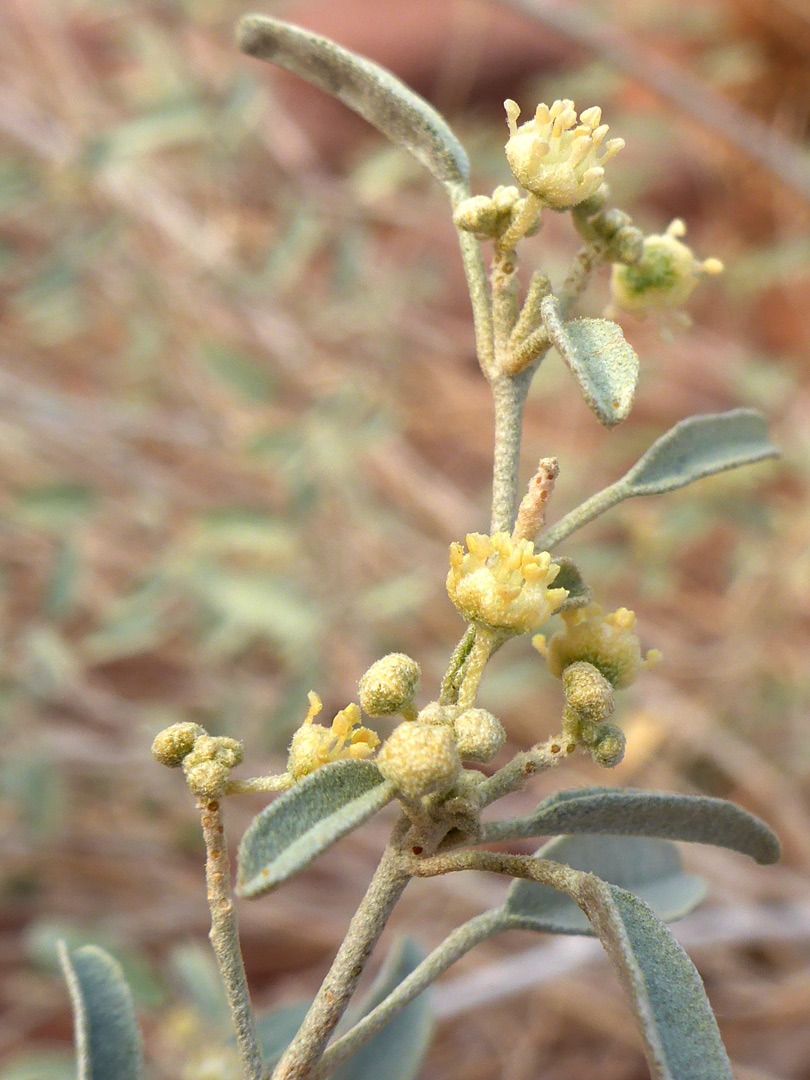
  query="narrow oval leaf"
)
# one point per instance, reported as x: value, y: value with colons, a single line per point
x: 625, y: 812
x: 399, y: 1048
x: 680, y: 1033
x: 696, y: 447
x: 377, y: 95
x: 108, y: 1043
x: 700, y: 446
x: 650, y: 868
x: 604, y: 364
x: 292, y: 831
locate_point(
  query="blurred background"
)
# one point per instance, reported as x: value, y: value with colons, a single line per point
x: 241, y: 420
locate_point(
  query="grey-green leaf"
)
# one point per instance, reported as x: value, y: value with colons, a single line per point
x: 108, y: 1043
x: 626, y: 812
x: 370, y: 90
x: 398, y: 1049
x: 277, y: 1029
x: 292, y: 831
x: 603, y: 363
x: 700, y: 446
x: 570, y: 578
x: 679, y: 1030
x: 648, y: 867
x: 696, y: 447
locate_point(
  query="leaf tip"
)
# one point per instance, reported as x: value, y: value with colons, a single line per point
x: 255, y: 36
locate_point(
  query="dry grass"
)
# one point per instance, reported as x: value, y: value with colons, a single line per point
x: 240, y: 421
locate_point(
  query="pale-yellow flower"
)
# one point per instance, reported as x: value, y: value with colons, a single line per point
x: 664, y: 277
x: 556, y: 155
x: 314, y: 745
x: 606, y: 641
x: 502, y: 583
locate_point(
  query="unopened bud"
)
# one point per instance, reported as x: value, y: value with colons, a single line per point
x: 173, y: 743
x: 588, y: 692
x: 419, y: 759
x: 389, y: 685
x: 434, y: 713
x: 208, y: 766
x: 608, y: 750
x: 479, y: 735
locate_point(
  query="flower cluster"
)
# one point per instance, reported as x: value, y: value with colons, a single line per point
x: 608, y: 642
x: 556, y: 156
x: 502, y: 583
x: 664, y: 277
x: 314, y: 745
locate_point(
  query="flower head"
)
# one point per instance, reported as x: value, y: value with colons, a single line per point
x: 664, y: 277
x: 555, y: 155
x: 503, y: 583
x: 608, y: 642
x: 314, y: 745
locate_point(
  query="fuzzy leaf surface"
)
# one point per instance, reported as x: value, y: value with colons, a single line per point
x: 680, y: 1033
x: 370, y: 90
x: 648, y: 867
x: 292, y: 831
x: 398, y: 1049
x: 603, y: 363
x: 276, y: 1030
x: 570, y: 578
x: 108, y: 1043
x: 625, y: 812
x: 700, y: 446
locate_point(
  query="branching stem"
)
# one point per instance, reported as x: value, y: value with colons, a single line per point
x: 455, y: 945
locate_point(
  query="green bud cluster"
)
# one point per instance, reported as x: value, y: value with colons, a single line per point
x: 206, y: 759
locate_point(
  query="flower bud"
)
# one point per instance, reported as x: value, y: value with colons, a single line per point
x: 588, y: 692
x: 479, y: 735
x: 208, y: 766
x: 434, y: 713
x: 173, y: 743
x: 608, y: 749
x: 419, y: 759
x: 389, y: 685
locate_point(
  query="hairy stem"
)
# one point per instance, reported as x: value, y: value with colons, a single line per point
x: 224, y: 937
x: 582, y: 514
x: 528, y: 867
x: 482, y: 649
x: 387, y: 885
x: 281, y: 782
x: 509, y: 396
x: 455, y: 945
x: 513, y: 776
x: 475, y: 272
x: 449, y: 690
